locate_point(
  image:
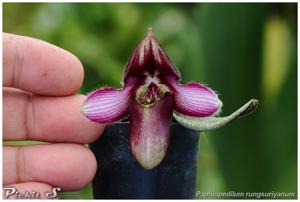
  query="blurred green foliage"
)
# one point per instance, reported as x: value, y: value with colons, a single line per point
x: 242, y: 51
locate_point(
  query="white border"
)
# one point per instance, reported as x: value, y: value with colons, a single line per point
x: 158, y: 1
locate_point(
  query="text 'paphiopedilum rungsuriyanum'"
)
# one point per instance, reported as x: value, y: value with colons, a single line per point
x: 151, y: 96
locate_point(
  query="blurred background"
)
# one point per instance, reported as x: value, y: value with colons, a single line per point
x: 242, y: 51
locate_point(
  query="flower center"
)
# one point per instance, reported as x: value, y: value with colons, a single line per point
x: 151, y: 92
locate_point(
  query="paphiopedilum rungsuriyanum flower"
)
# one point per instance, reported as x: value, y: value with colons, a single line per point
x: 151, y: 95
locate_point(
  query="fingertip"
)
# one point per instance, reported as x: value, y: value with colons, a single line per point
x: 61, y: 120
x: 82, y: 168
x: 40, y: 67
x: 69, y: 166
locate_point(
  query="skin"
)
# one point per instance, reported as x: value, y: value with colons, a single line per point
x: 39, y: 83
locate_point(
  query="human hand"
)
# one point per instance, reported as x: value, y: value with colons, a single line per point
x: 39, y: 82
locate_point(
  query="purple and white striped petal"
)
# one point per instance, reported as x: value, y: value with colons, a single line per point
x: 107, y: 105
x: 194, y: 99
x: 149, y: 131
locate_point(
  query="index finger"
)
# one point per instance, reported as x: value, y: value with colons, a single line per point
x: 39, y: 67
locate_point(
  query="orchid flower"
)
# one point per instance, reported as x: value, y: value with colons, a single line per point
x: 151, y: 96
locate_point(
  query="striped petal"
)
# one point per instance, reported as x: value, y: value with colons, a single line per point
x: 149, y: 131
x: 194, y: 99
x: 107, y: 104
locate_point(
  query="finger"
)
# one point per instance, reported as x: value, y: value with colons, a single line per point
x: 52, y: 119
x: 39, y: 67
x: 29, y: 190
x: 68, y: 166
